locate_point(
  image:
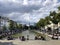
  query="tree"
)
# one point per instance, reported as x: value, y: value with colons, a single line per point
x: 55, y: 17
x: 41, y: 23
x: 55, y: 20
x: 25, y: 27
x: 19, y: 27
x: 47, y: 20
x: 32, y: 27
x: 11, y: 26
x: 4, y: 28
x: 58, y: 16
x: 53, y: 13
x: 59, y: 8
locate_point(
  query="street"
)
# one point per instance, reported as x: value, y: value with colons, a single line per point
x: 30, y: 42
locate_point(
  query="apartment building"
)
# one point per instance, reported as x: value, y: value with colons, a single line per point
x: 4, y: 22
x: 53, y: 26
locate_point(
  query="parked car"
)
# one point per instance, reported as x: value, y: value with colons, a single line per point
x: 9, y: 38
x: 55, y: 36
x: 38, y: 38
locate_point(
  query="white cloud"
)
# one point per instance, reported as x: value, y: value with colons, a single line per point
x: 25, y: 2
x: 55, y: 1
x: 35, y: 2
x: 27, y: 10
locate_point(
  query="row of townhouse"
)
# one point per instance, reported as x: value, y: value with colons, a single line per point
x: 4, y: 22
x: 53, y: 26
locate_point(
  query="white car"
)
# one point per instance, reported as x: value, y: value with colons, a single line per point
x: 55, y: 36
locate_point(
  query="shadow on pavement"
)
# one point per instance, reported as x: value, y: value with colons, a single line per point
x: 6, y: 43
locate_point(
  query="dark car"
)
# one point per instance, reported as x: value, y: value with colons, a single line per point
x: 55, y: 36
x: 9, y: 38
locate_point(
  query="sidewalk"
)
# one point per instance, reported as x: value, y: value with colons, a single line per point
x: 30, y: 42
x: 51, y: 36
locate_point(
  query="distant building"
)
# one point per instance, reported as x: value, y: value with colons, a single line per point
x: 4, y: 22
x: 53, y: 26
x: 59, y: 24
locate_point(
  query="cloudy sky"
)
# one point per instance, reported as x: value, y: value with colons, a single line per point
x: 25, y: 11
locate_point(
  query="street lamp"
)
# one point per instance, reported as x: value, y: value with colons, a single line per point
x: 29, y: 25
x: 51, y: 22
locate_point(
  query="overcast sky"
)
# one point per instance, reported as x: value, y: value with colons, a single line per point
x: 26, y: 11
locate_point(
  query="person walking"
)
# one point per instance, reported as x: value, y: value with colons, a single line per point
x: 27, y: 37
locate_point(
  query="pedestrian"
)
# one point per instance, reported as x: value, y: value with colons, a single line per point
x: 27, y: 37
x: 23, y: 38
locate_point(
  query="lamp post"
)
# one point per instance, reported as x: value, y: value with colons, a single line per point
x: 52, y: 24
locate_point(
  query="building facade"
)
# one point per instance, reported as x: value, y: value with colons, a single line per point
x: 53, y: 26
x: 4, y: 22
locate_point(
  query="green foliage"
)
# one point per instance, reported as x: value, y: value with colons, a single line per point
x: 41, y: 23
x: 55, y: 16
x: 20, y: 26
x: 47, y: 20
x: 52, y: 13
x: 58, y: 16
x: 25, y: 27
x: 11, y: 25
x: 14, y: 26
x: 4, y: 28
x: 55, y: 19
x: 16, y: 35
x: 33, y: 27
x: 59, y: 8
